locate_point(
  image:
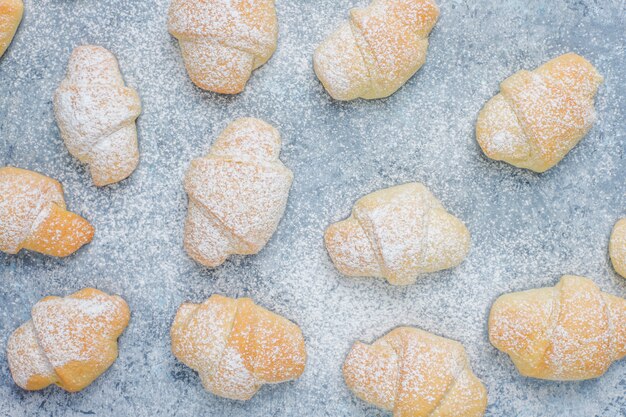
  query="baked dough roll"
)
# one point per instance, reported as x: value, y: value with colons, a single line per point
x: 222, y: 42
x: 572, y: 331
x: 96, y: 115
x: 69, y: 341
x: 33, y: 215
x: 236, y: 346
x: 397, y: 233
x: 237, y: 193
x: 374, y: 53
x: 11, y: 12
x: 617, y: 247
x: 415, y: 373
x: 540, y: 115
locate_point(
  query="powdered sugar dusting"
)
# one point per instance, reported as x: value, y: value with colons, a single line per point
x: 63, y: 331
x: 96, y: 114
x: 576, y: 336
x: 527, y: 230
x: 378, y: 50
x: 237, y: 193
x: 408, y: 231
x: 541, y: 115
x: 419, y: 373
x: 236, y: 346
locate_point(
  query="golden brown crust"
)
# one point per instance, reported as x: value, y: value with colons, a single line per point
x: 617, y: 247
x: 397, y: 233
x: 540, y: 115
x: 568, y: 332
x: 415, y: 373
x: 70, y: 341
x: 33, y: 215
x: 237, y: 193
x: 378, y: 50
x: 223, y: 43
x: 11, y: 12
x: 237, y: 346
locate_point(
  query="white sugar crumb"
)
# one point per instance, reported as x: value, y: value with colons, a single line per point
x: 527, y: 229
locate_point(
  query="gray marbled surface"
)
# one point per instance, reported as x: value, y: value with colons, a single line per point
x: 527, y: 229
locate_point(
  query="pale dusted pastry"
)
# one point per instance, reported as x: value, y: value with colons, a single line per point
x: 377, y: 50
x: 236, y: 346
x: 237, y: 193
x: 540, y: 115
x: 397, y: 233
x: 223, y: 41
x: 11, y: 12
x: 572, y: 331
x: 33, y: 215
x: 69, y: 341
x: 96, y: 115
x: 415, y: 373
x: 617, y: 247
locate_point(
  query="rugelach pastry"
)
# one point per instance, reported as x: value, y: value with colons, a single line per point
x: 236, y: 346
x: 96, y: 115
x: 33, y: 215
x: 69, y: 341
x: 569, y: 332
x: 540, y: 115
x: 397, y: 233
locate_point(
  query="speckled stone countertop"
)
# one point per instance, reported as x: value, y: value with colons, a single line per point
x: 527, y: 229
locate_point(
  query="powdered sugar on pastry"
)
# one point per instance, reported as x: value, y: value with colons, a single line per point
x: 617, y: 247
x: 10, y: 17
x: 540, y: 116
x: 573, y: 331
x: 397, y: 233
x: 237, y: 193
x: 378, y: 50
x: 96, y: 115
x: 33, y: 215
x: 237, y: 346
x: 223, y: 41
x: 413, y: 372
x: 69, y: 341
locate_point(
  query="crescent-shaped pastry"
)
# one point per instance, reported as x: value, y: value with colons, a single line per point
x: 415, y: 373
x: 572, y: 331
x: 33, y: 215
x: 237, y: 193
x: 397, y: 233
x: 96, y: 115
x: 377, y: 50
x: 11, y: 12
x: 70, y: 341
x: 222, y: 42
x: 540, y: 115
x: 237, y: 346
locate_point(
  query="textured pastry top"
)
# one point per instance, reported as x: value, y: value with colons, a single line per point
x: 223, y: 41
x: 11, y: 12
x: 377, y: 50
x: 237, y: 346
x: 248, y: 25
x: 397, y: 233
x: 70, y: 341
x: 33, y: 215
x: 240, y: 186
x: 617, y: 247
x: 415, y: 373
x: 572, y: 331
x: 92, y: 102
x: 540, y: 115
